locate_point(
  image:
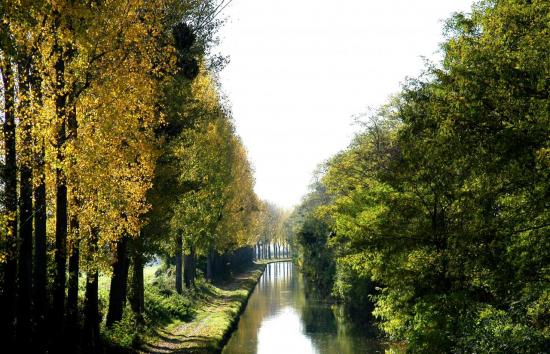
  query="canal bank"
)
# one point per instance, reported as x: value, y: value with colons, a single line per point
x: 214, y: 320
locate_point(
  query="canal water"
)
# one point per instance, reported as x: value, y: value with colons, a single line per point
x: 280, y: 318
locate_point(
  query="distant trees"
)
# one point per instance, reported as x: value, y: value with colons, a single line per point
x: 437, y: 214
x: 272, y: 241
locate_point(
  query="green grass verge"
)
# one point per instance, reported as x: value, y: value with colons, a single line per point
x: 199, y: 320
x: 216, y: 312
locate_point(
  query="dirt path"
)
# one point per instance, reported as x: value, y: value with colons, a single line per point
x: 206, y: 332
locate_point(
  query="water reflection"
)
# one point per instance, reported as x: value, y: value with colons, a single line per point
x: 279, y: 319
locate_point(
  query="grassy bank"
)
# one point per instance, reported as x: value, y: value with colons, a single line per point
x: 267, y: 261
x: 201, y: 323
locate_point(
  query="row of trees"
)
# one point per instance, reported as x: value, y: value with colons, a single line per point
x: 117, y: 148
x: 436, y: 221
x: 202, y: 196
x: 273, y: 238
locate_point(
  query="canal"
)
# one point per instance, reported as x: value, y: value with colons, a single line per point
x: 280, y: 318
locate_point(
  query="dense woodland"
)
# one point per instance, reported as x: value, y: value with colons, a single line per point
x: 435, y: 222
x: 118, y: 149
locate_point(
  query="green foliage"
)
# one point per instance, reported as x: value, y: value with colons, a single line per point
x: 442, y: 199
x: 203, y: 187
x: 162, y: 307
x: 116, y: 143
x: 162, y: 303
x: 496, y: 331
x: 311, y: 239
x: 353, y: 288
x: 124, y: 333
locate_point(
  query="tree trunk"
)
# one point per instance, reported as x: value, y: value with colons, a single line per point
x: 72, y: 293
x: 74, y: 259
x: 91, y: 314
x: 61, y: 203
x: 187, y: 270
x: 119, y: 281
x: 179, y: 251
x: 25, y: 213
x: 194, y: 262
x: 91, y: 304
x: 210, y: 262
x: 189, y: 266
x: 7, y: 309
x: 137, y: 296
x: 40, y: 280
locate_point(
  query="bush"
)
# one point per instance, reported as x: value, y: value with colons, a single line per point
x: 495, y: 331
x: 162, y: 303
x: 123, y: 334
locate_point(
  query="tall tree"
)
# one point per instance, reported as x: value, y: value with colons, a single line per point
x: 10, y: 197
x: 119, y: 281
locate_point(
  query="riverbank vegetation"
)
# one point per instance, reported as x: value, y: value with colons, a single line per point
x: 119, y: 151
x: 435, y: 221
x: 215, y: 311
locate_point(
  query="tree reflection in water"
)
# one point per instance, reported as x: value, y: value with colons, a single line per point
x: 279, y: 318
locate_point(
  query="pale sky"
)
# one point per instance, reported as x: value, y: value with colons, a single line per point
x: 301, y: 69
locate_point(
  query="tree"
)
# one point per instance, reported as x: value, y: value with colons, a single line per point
x: 439, y: 198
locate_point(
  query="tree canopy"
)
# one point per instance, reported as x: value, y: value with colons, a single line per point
x: 436, y: 216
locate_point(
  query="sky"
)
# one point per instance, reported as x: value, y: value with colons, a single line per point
x: 300, y: 70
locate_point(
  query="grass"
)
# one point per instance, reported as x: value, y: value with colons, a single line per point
x: 162, y: 307
x: 216, y: 311
x: 199, y: 320
x: 274, y: 260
